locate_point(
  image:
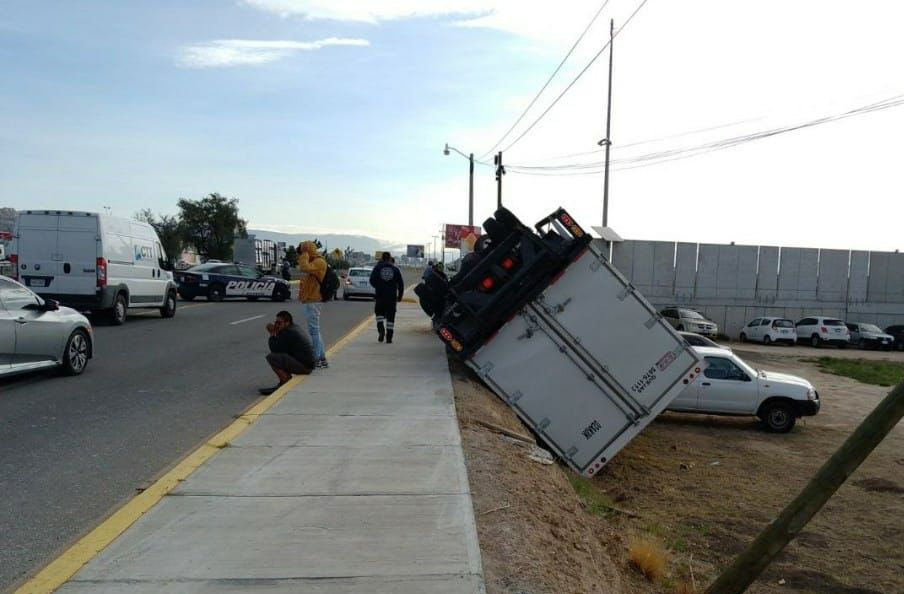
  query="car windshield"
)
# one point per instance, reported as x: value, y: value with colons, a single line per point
x: 831, y: 322
x: 354, y: 272
x: 870, y: 328
x: 743, y: 365
x: 690, y: 314
x: 783, y: 324
x: 203, y: 267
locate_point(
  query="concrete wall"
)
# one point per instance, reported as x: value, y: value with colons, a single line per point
x: 732, y: 284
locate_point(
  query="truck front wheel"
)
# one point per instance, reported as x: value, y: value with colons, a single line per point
x: 778, y: 417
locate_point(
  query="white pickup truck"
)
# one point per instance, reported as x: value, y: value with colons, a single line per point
x: 729, y: 386
x: 560, y: 335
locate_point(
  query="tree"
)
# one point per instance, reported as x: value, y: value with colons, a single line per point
x: 212, y: 224
x: 169, y: 230
x: 292, y: 255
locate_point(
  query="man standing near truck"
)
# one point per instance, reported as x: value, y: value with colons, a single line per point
x: 387, y: 282
x: 313, y: 265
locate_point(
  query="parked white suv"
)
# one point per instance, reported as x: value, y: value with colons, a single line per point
x: 689, y: 320
x: 769, y: 330
x: 820, y: 330
x: 729, y: 386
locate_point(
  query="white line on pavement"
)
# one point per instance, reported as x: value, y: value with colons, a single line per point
x: 245, y: 320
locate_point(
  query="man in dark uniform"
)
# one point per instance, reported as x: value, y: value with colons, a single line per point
x: 387, y: 282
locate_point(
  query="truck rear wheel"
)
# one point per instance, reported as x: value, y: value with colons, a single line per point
x: 118, y: 312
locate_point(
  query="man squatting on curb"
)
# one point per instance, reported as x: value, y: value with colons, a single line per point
x: 291, y: 351
x: 387, y: 282
x: 314, y: 266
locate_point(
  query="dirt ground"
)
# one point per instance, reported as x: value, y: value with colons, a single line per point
x: 703, y: 486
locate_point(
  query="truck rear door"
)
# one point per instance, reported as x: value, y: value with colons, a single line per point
x: 36, y: 246
x: 77, y: 247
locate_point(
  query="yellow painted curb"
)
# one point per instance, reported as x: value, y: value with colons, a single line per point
x: 75, y: 557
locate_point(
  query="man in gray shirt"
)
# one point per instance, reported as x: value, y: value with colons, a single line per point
x: 291, y: 351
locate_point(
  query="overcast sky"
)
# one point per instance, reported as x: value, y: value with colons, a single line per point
x: 331, y: 115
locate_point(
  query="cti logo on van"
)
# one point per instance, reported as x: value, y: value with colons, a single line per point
x: 250, y: 287
x: 143, y: 252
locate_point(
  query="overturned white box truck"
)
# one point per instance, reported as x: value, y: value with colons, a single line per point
x: 560, y: 335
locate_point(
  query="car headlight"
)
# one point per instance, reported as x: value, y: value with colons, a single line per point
x: 811, y: 394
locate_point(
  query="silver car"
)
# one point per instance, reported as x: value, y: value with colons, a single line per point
x: 357, y: 284
x: 38, y: 334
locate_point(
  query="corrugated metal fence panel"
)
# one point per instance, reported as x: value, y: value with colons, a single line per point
x: 833, y: 275
x: 685, y: 271
x: 797, y: 273
x: 767, y: 276
x: 859, y: 276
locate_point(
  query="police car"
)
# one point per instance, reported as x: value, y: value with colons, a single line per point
x: 217, y: 281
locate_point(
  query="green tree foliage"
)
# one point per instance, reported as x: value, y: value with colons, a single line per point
x: 169, y: 230
x: 292, y: 255
x: 211, y: 224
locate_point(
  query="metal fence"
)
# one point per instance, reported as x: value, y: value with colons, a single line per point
x: 731, y: 284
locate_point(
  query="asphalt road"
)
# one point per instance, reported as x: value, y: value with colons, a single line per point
x: 73, y: 449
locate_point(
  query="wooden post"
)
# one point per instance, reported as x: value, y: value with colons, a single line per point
x: 821, y: 487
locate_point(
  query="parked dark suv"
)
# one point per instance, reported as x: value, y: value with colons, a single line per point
x: 898, y: 333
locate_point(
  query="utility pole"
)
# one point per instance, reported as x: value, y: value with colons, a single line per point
x: 471, y: 192
x: 500, y: 171
x: 608, y: 139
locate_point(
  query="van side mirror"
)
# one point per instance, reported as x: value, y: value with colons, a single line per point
x: 165, y: 265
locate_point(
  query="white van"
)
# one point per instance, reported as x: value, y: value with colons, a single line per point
x: 92, y: 261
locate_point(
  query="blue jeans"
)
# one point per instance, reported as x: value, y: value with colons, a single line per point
x: 312, y: 313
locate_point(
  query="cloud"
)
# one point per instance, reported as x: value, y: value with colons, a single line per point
x: 241, y: 52
x: 535, y: 20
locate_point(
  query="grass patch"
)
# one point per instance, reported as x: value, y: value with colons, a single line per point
x: 678, y: 544
x: 655, y: 528
x: 595, y: 502
x: 649, y: 557
x: 880, y: 373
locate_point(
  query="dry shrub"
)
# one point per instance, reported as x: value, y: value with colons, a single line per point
x: 649, y: 556
x: 683, y: 587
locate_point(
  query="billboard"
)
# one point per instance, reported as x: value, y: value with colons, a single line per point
x: 462, y: 237
x: 415, y: 251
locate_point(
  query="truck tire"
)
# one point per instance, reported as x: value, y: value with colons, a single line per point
x: 118, y: 313
x: 778, y: 416
x: 169, y: 306
x: 216, y: 293
x: 75, y: 356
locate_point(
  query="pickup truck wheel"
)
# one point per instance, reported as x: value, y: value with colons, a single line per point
x: 814, y: 341
x: 779, y: 417
x: 215, y: 293
x: 169, y: 306
x: 118, y: 313
x: 743, y: 337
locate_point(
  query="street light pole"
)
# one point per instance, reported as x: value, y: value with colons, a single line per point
x: 471, y: 191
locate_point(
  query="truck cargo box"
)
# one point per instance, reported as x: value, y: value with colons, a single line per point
x: 574, y: 349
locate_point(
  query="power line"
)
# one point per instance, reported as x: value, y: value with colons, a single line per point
x: 548, y: 80
x: 658, y: 157
x: 572, y: 83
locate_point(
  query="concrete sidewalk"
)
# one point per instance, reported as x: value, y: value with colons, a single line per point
x: 354, y: 482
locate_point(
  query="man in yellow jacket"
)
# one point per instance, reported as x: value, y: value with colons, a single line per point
x: 313, y: 265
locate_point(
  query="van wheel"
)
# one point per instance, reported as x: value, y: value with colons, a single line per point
x: 169, y: 306
x: 215, y: 293
x: 778, y: 417
x: 118, y: 313
x: 814, y: 341
x: 767, y: 340
x: 75, y: 357
x: 743, y: 337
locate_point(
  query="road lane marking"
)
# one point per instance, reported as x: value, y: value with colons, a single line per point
x: 58, y: 571
x: 246, y: 320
